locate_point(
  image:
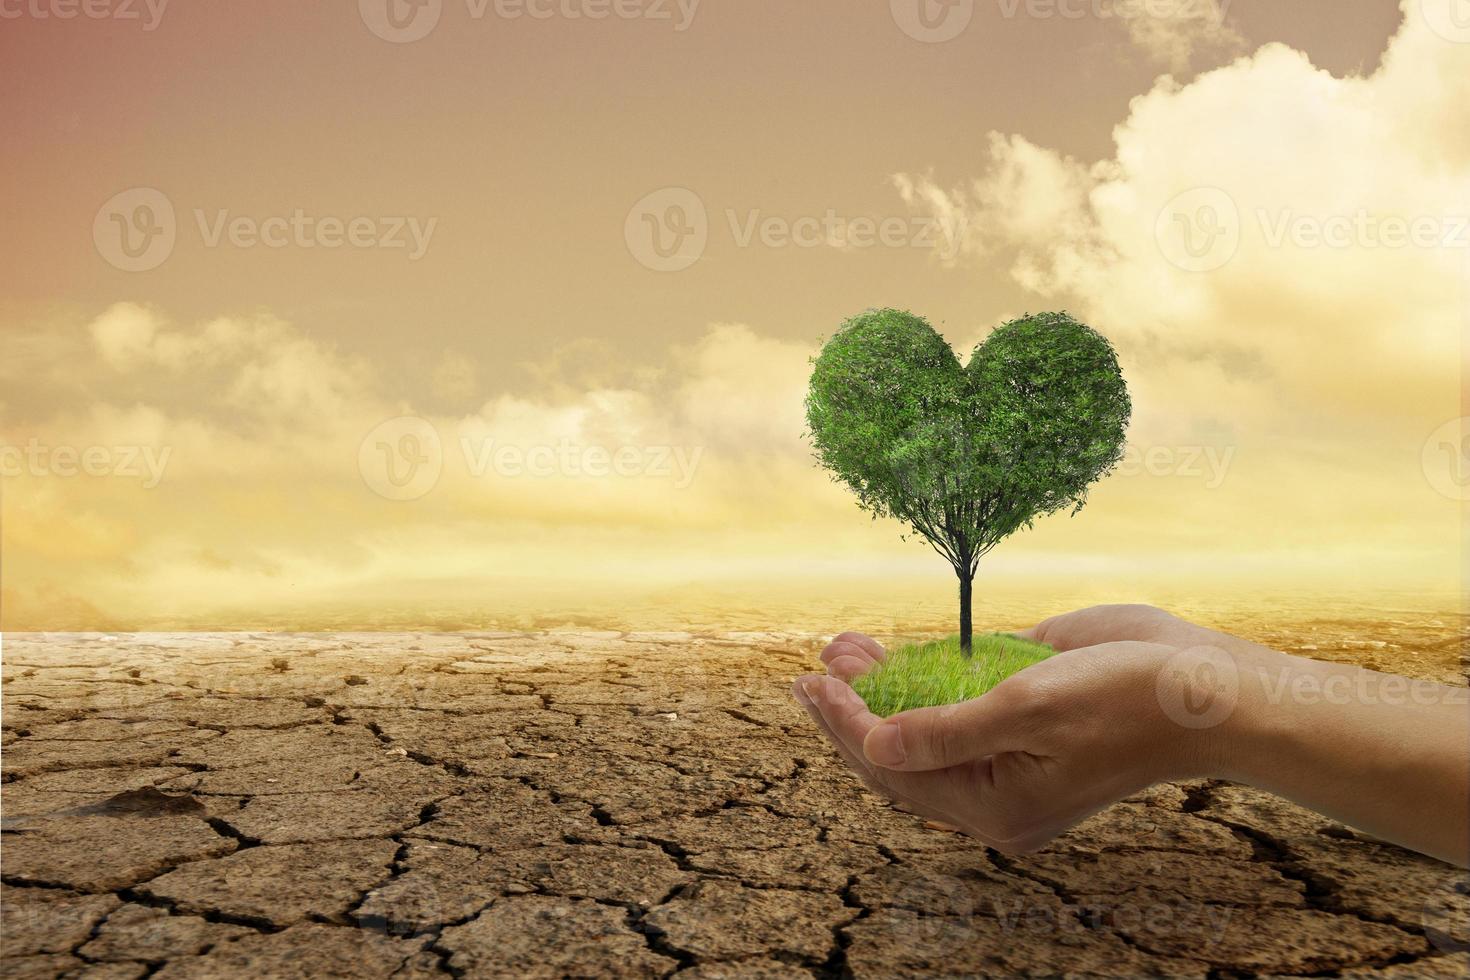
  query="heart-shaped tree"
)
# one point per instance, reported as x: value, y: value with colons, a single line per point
x: 965, y: 455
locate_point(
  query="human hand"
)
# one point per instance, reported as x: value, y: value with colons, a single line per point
x: 1135, y: 696
x: 1041, y: 751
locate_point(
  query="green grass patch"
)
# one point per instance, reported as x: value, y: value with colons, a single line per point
x: 921, y: 675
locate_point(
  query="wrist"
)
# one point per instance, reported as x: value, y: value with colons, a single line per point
x: 1216, y: 701
x: 1255, y: 734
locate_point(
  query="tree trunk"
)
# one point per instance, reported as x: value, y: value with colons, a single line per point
x: 967, y: 582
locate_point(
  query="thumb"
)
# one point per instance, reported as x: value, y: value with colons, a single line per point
x: 949, y: 735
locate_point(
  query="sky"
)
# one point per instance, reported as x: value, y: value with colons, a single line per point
x: 359, y: 314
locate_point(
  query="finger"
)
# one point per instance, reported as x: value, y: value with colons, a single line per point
x: 1088, y: 627
x: 849, y: 720
x: 846, y: 669
x: 872, y: 646
x: 921, y: 793
x: 869, y: 646
x: 845, y: 648
x: 1114, y: 623
x: 809, y: 694
x: 1061, y: 633
x: 855, y: 761
x: 923, y: 739
x: 844, y: 711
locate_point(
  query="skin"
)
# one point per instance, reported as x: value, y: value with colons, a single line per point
x: 1136, y: 696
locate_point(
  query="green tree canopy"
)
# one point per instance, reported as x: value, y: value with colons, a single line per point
x: 966, y: 455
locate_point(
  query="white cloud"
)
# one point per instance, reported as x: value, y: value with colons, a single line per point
x: 1029, y: 196
x: 1174, y: 32
x: 1277, y: 148
x: 259, y: 369
x: 124, y: 335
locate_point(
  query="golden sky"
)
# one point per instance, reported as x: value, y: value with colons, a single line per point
x: 308, y: 317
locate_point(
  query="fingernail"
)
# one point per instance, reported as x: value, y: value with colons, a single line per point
x: 884, y: 745
x: 809, y: 691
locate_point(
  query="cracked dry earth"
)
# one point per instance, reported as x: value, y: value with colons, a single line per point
x: 588, y: 804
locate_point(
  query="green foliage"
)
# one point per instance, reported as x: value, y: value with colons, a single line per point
x: 927, y: 674
x: 966, y: 455
x: 1056, y: 411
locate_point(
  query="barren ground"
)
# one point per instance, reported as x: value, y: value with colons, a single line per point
x: 580, y: 803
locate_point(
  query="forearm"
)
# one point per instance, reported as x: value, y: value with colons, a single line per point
x: 1385, y: 754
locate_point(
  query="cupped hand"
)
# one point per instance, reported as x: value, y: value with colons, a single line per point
x: 1042, y: 750
x: 1135, y: 696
